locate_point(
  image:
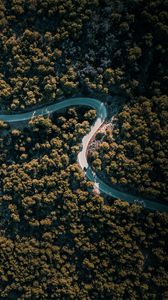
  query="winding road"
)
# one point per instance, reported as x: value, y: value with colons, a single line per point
x: 82, y: 156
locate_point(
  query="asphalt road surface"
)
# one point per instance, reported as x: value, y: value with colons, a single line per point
x: 82, y: 156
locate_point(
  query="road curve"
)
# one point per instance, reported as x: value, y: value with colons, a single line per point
x: 82, y: 157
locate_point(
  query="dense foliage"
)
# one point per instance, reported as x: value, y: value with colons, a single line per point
x: 93, y: 252
x: 59, y: 239
x: 54, y: 48
x: 38, y: 166
x: 133, y: 153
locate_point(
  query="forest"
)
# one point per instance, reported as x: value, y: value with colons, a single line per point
x: 59, y: 238
x: 133, y: 154
x: 55, y: 48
